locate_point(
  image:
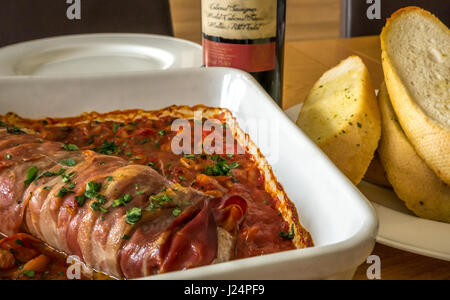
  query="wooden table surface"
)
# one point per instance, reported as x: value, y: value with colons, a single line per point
x: 305, y: 62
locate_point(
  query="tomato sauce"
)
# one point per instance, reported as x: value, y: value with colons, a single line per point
x: 149, y: 142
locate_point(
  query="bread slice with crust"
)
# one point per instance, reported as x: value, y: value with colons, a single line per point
x: 376, y: 174
x: 341, y: 116
x: 413, y: 181
x: 415, y: 53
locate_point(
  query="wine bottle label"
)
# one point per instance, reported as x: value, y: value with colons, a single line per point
x: 240, y: 19
x: 250, y: 58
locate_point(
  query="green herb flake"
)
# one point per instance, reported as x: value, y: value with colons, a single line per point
x: 92, y: 189
x: 152, y: 165
x: 162, y: 132
x: 29, y: 273
x: 116, y: 127
x: 70, y: 147
x: 182, y: 178
x: 68, y: 162
x: 122, y: 201
x: 64, y: 192
x: 15, y: 130
x: 81, y: 200
x: 108, y: 148
x: 176, y: 212
x: 126, y: 237
x: 290, y: 235
x: 133, y: 215
x: 8, y: 156
x: 95, y: 206
x: 31, y: 175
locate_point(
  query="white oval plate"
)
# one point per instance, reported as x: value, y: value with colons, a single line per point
x: 76, y: 55
x: 400, y: 228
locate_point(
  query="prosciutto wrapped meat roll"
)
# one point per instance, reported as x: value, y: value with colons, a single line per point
x: 121, y: 219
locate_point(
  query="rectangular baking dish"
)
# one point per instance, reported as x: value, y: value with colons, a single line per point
x: 341, y: 221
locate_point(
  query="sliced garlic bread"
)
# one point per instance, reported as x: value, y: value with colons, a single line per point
x: 413, y: 181
x: 415, y: 53
x: 341, y: 116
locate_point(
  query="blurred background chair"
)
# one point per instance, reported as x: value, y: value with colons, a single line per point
x: 354, y: 20
x: 23, y: 20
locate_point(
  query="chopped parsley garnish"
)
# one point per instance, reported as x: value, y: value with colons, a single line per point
x: 8, y: 156
x: 64, y: 192
x: 70, y: 147
x: 101, y: 199
x: 182, y: 178
x: 92, y: 189
x: 68, y: 162
x: 29, y: 273
x: 162, y: 132
x: 110, y: 178
x: 189, y: 156
x: 157, y: 144
x: 150, y: 164
x: 234, y: 165
x: 290, y: 235
x: 221, y: 168
x: 81, y: 200
x: 126, y: 237
x: 108, y: 148
x: 47, y: 174
x: 15, y: 130
x: 31, y: 175
x: 135, y: 158
x: 116, y: 127
x: 122, y: 201
x: 96, y: 206
x: 67, y: 177
x: 158, y: 201
x: 134, y: 215
x: 176, y: 212
x: 20, y: 242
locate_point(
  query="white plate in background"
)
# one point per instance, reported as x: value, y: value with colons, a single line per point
x: 341, y: 221
x: 74, y: 55
x: 399, y: 227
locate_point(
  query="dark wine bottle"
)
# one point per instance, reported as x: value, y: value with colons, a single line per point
x: 247, y: 35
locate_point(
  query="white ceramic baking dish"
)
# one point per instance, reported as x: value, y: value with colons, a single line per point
x: 342, y: 222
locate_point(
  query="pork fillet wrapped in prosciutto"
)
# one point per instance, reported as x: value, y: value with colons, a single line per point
x: 122, y: 219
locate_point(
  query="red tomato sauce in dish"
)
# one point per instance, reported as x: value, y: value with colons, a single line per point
x: 149, y: 142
